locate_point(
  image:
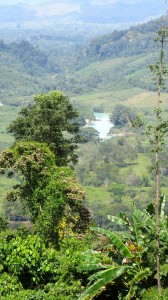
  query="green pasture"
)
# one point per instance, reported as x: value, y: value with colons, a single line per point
x: 7, y: 114
x: 124, y: 65
x: 147, y: 100
x: 104, y: 66
x: 102, y: 204
x: 140, y: 166
x: 108, y: 99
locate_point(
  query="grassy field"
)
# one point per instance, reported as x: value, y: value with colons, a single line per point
x: 124, y: 65
x: 7, y: 114
x: 108, y: 99
x: 139, y: 166
x: 147, y: 100
x: 113, y: 80
x: 101, y: 204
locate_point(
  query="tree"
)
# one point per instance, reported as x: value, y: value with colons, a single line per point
x: 89, y: 135
x: 121, y: 115
x: 51, y: 119
x: 156, y: 133
x: 52, y: 194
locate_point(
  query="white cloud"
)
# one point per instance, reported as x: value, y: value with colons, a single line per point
x: 56, y: 9
x: 101, y: 2
x: 106, y: 2
x: 44, y: 8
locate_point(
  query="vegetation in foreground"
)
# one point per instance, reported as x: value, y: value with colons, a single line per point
x: 51, y: 259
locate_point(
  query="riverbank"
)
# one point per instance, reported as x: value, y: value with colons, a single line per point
x: 101, y: 123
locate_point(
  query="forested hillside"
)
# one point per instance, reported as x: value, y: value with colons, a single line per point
x: 114, y: 62
x: 23, y: 72
x: 133, y: 41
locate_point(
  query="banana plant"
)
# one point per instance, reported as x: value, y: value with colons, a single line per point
x: 132, y: 250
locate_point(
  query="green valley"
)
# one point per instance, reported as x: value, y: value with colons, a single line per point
x: 83, y: 218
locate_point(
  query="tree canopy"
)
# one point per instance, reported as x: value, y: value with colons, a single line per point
x: 50, y: 119
x: 52, y: 194
x: 89, y: 135
x: 121, y: 115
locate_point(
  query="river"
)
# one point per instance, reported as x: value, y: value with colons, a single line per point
x: 102, y: 124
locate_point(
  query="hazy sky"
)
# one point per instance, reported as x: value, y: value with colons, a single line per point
x: 98, y: 2
x: 10, y: 2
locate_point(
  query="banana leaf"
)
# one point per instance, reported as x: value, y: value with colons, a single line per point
x: 89, y: 263
x: 145, y: 220
x: 117, y: 220
x: 103, y: 278
x: 137, y: 278
x: 137, y: 228
x: 114, y: 239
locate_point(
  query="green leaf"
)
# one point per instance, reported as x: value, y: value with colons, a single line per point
x: 88, y: 267
x: 146, y: 221
x: 114, y: 239
x: 104, y: 277
x: 90, y: 263
x: 117, y: 220
x: 137, y: 278
x: 164, y: 269
x: 137, y: 230
x: 137, y: 227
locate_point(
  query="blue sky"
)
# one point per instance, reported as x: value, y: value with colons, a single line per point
x: 11, y: 2
x: 98, y: 2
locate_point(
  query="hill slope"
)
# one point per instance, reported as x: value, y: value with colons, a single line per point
x: 133, y: 41
x: 22, y: 72
x: 116, y: 64
x: 113, y: 64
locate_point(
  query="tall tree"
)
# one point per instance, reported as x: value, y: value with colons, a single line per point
x: 50, y: 119
x: 157, y: 133
x: 55, y: 200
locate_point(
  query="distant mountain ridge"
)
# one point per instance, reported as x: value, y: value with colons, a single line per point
x: 85, y: 11
x: 111, y: 62
x: 133, y: 41
x: 115, y: 61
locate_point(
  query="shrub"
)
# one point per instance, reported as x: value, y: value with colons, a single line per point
x: 152, y: 294
x: 9, y: 284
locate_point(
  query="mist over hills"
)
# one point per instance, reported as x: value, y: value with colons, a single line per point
x: 85, y: 11
x: 133, y: 41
